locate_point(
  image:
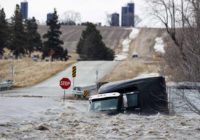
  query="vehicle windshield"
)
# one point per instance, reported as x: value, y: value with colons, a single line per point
x: 104, y: 104
x: 77, y: 88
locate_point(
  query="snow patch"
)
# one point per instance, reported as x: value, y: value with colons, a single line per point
x: 126, y: 45
x: 159, y: 45
x: 120, y: 57
x: 134, y: 33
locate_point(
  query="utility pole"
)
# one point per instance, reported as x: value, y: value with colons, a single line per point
x: 12, y: 71
x: 97, y: 73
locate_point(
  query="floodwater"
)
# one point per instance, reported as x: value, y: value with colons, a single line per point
x: 71, y: 120
x: 40, y: 113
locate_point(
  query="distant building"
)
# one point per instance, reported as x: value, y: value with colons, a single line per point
x: 124, y: 16
x: 98, y: 24
x: 128, y: 13
x: 49, y: 17
x: 24, y: 9
x: 131, y: 14
x: 115, y: 19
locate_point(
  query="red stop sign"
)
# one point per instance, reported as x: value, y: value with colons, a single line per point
x: 65, y: 83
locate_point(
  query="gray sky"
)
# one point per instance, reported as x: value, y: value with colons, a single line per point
x: 90, y: 10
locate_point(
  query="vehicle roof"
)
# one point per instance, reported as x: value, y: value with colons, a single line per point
x: 105, y: 95
x: 138, y: 81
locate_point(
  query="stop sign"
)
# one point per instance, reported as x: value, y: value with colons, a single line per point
x: 65, y: 83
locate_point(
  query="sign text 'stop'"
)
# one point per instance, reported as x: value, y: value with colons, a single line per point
x: 65, y: 83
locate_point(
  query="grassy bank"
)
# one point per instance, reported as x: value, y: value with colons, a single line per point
x: 129, y: 69
x: 28, y: 72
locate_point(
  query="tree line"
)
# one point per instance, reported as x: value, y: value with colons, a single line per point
x: 21, y: 37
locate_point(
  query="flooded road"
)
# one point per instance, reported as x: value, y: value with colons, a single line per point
x: 71, y: 120
x: 26, y: 103
x: 39, y: 112
x: 24, y: 109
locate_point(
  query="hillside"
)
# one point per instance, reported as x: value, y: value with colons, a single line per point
x: 112, y: 36
x: 145, y: 41
x: 143, y: 44
x: 148, y: 61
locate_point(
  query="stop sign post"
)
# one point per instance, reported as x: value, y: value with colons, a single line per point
x: 65, y: 83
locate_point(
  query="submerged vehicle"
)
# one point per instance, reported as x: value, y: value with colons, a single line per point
x: 145, y: 95
x: 78, y: 91
x: 104, y: 102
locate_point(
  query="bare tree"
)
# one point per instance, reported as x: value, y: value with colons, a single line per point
x: 72, y: 17
x: 108, y: 19
x: 137, y: 19
x: 182, y: 22
x: 164, y: 10
x: 181, y: 19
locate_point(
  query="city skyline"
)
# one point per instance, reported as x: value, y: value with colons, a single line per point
x: 90, y: 10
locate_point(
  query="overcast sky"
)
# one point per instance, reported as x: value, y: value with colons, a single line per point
x: 90, y: 10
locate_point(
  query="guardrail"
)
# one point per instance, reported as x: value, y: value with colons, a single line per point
x: 6, y: 85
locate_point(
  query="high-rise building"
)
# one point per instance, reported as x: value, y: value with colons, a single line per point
x: 49, y: 17
x: 128, y: 13
x: 24, y: 9
x: 124, y: 16
x: 115, y: 19
x: 131, y: 14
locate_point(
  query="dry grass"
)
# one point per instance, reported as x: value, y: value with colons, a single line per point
x: 131, y: 68
x: 148, y: 61
x: 144, y: 43
x: 29, y: 73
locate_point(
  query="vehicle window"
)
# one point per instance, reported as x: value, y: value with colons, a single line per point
x: 109, y: 104
x: 97, y: 106
x: 77, y: 88
x: 132, y: 99
x: 102, y: 105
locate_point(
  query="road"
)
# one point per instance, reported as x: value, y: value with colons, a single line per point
x: 86, y: 74
x: 25, y: 102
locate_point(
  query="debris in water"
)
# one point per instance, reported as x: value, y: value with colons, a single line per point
x: 42, y: 127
